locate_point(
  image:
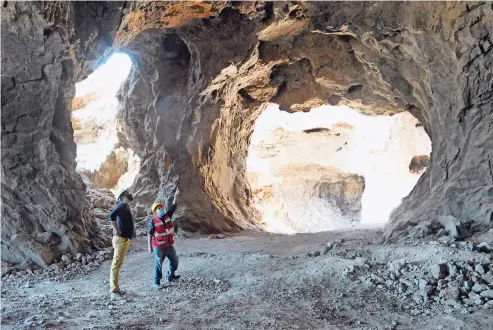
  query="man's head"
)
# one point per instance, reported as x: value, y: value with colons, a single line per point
x: 124, y: 196
x: 158, y: 208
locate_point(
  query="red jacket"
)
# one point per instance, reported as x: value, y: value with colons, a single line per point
x: 164, y: 235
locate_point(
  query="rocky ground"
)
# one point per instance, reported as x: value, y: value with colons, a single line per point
x: 336, y: 280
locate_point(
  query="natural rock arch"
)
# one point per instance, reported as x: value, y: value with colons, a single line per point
x: 203, y: 74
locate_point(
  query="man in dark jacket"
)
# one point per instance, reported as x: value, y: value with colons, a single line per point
x: 123, y: 229
x: 161, y: 239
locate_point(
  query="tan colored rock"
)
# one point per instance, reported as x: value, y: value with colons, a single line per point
x: 419, y: 163
x: 112, y: 169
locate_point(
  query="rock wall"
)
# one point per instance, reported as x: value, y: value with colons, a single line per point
x: 204, y: 73
x: 46, y: 48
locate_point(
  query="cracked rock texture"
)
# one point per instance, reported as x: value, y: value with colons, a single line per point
x: 205, y: 71
x: 46, y: 48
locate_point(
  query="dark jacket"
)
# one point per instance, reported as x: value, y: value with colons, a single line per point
x: 123, y: 217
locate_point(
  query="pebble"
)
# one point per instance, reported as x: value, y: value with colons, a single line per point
x: 479, y: 287
x: 439, y: 271
x: 479, y: 269
x: 487, y: 294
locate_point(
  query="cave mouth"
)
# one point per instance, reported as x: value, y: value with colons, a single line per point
x: 333, y: 167
x: 103, y: 161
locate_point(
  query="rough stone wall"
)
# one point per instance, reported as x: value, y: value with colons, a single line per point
x: 381, y: 58
x: 46, y: 48
x: 204, y: 73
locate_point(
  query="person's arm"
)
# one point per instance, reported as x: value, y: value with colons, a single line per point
x: 150, y: 236
x: 113, y: 217
x: 173, y: 207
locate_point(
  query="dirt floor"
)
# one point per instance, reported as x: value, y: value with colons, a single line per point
x: 249, y: 281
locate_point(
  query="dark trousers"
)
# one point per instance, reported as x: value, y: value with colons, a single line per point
x: 159, y: 256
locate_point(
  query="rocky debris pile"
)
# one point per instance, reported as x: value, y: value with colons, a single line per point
x: 203, y: 285
x: 43, y: 321
x: 329, y: 246
x: 483, y: 247
x: 67, y: 268
x: 466, y: 285
x: 142, y: 225
x: 102, y: 202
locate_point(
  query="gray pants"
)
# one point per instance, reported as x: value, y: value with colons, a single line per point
x: 159, y: 256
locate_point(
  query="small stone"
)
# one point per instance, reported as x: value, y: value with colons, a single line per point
x: 27, y: 285
x: 377, y: 278
x: 488, y: 277
x: 479, y: 268
x: 65, y: 258
x: 422, y: 284
x: 316, y: 253
x: 328, y: 247
x: 451, y: 302
x: 487, y: 294
x: 446, y: 240
x: 452, y: 270
x: 483, y: 247
x: 479, y: 287
x: 439, y: 271
x: 418, y: 299
x: 449, y: 293
x: 78, y: 256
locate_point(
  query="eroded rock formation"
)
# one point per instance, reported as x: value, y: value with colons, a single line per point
x: 46, y: 48
x: 203, y: 74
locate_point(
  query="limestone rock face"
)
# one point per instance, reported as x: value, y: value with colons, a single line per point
x: 317, y: 198
x: 203, y: 74
x: 46, y: 48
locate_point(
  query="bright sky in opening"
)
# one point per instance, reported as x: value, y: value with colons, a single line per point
x: 108, y: 76
x: 377, y: 147
x: 100, y: 113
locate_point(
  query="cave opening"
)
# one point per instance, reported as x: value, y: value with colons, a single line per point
x: 333, y: 167
x: 103, y: 161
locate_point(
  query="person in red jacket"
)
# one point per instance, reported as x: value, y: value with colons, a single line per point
x: 161, y: 239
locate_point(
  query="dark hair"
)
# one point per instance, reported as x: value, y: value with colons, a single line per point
x: 126, y: 194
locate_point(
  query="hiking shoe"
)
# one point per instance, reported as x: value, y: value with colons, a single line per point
x: 156, y: 286
x: 173, y: 278
x: 117, y: 295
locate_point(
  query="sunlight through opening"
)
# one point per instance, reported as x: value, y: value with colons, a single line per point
x: 94, y: 109
x: 332, y: 167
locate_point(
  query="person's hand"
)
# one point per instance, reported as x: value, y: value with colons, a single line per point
x: 177, y: 192
x: 117, y: 232
x: 149, y: 249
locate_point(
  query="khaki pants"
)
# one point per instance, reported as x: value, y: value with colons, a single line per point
x: 120, y: 246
